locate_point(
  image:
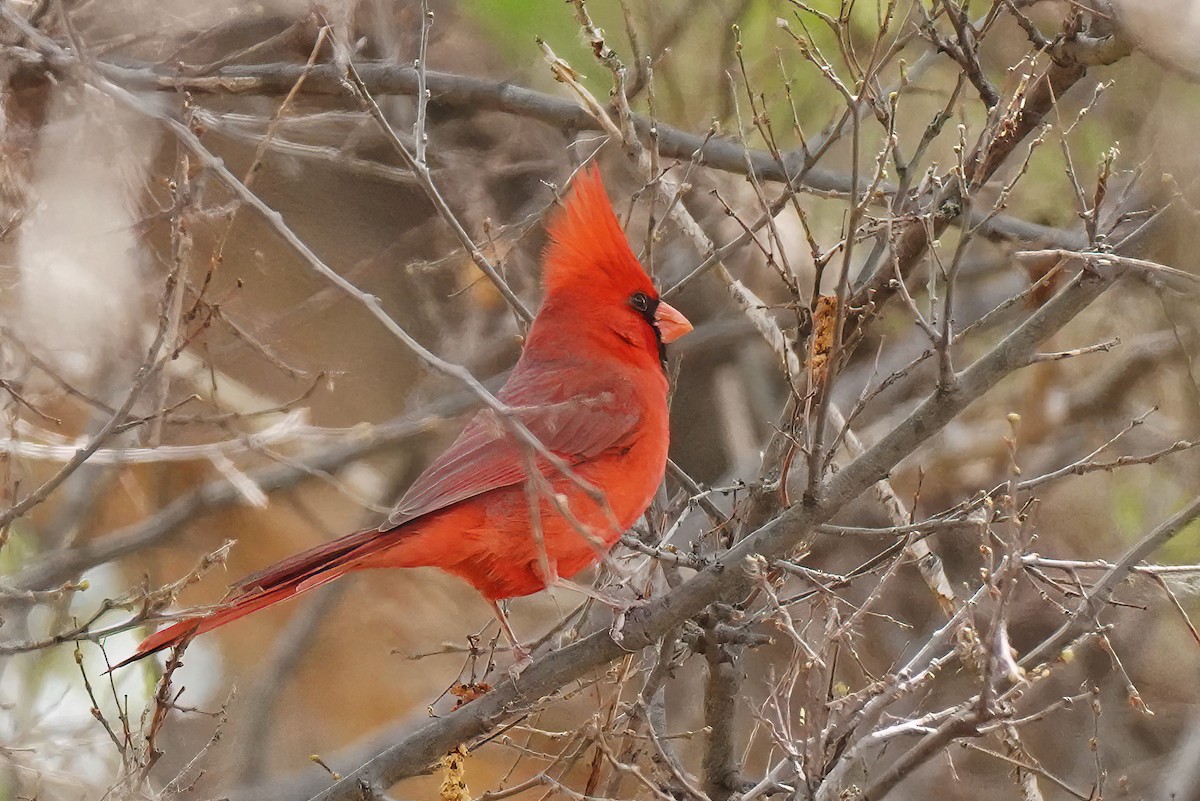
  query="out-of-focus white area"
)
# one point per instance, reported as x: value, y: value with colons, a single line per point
x: 48, y: 710
x: 1165, y: 29
x: 82, y: 291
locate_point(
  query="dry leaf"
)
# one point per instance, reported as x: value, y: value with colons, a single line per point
x: 466, y: 693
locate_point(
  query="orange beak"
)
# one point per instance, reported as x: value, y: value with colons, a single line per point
x: 670, y: 323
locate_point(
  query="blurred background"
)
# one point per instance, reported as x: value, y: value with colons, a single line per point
x: 283, y: 414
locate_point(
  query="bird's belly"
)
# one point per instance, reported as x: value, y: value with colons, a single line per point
x: 498, y: 544
x: 503, y: 554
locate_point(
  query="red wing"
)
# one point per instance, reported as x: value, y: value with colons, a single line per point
x: 573, y: 423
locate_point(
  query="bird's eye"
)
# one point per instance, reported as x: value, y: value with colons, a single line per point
x: 641, y: 302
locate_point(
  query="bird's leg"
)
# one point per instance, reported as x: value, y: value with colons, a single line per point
x: 548, y: 572
x: 611, y: 601
x: 619, y: 606
x: 521, y: 655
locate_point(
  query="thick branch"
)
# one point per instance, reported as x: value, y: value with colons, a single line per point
x: 451, y: 92
x: 722, y: 777
x: 960, y: 725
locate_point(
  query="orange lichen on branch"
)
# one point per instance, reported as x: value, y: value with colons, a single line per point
x: 821, y: 344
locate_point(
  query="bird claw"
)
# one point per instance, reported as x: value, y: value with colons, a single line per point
x: 617, y: 629
x: 522, y: 660
x: 521, y: 655
x: 620, y: 606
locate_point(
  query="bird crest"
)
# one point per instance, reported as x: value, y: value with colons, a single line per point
x: 588, y: 249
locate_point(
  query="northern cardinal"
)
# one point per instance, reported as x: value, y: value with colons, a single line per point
x: 590, y: 384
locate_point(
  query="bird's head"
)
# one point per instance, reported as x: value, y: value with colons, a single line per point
x: 591, y: 271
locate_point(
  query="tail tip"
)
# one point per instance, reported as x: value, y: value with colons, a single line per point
x: 171, y: 636
x: 137, y: 656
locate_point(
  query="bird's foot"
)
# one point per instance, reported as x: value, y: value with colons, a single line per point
x: 522, y: 659
x: 617, y: 629
x: 620, y: 606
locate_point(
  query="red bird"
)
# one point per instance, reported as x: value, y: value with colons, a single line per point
x: 590, y: 385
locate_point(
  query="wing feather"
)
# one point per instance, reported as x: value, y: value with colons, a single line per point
x: 576, y: 417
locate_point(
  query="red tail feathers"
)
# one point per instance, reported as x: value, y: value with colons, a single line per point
x: 175, y: 634
x: 279, y: 582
